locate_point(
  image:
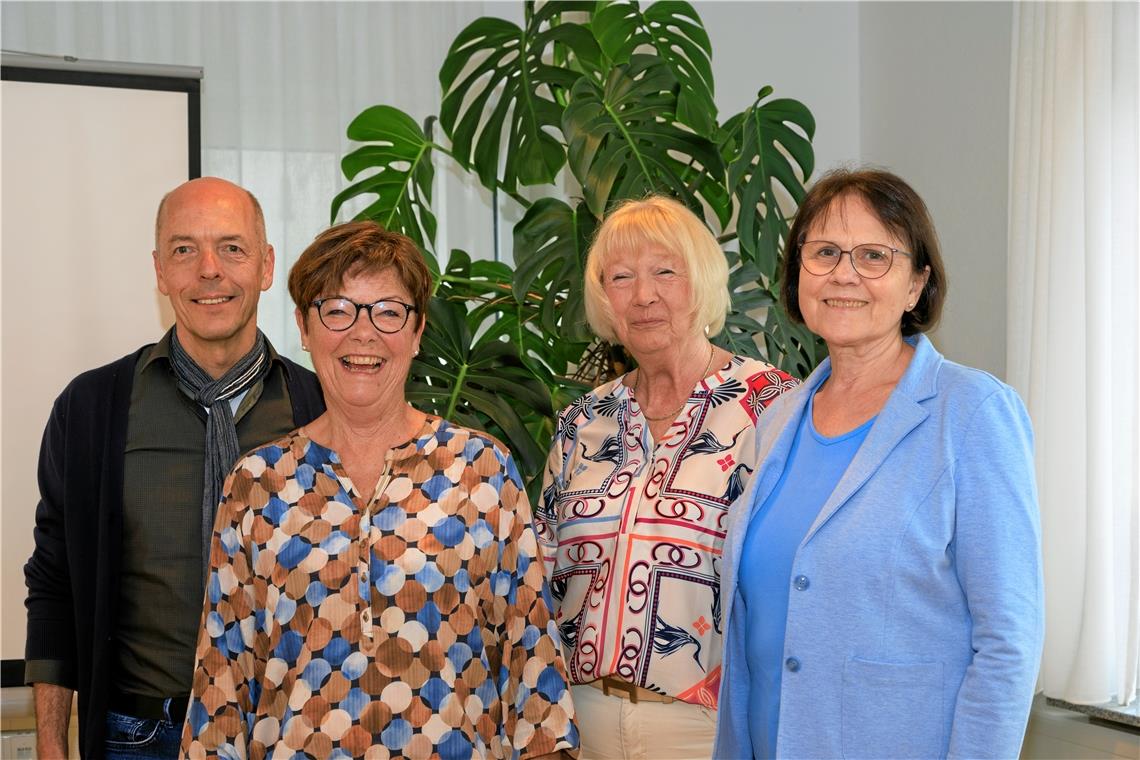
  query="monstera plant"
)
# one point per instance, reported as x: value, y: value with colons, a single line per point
x: 617, y: 102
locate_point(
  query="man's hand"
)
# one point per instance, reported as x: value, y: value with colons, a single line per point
x: 53, y: 715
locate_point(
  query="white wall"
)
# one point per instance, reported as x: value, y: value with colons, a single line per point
x: 934, y: 92
x: 919, y: 88
x: 806, y: 51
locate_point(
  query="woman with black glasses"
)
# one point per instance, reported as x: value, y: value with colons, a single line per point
x: 882, y: 577
x: 376, y: 587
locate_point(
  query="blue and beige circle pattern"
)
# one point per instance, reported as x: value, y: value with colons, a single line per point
x: 417, y: 625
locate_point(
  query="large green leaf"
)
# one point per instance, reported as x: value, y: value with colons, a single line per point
x: 769, y: 145
x: 624, y: 141
x: 675, y: 31
x: 477, y: 379
x: 741, y: 326
x: 487, y: 287
x: 500, y: 91
x: 480, y: 280
x: 400, y: 153
x: 792, y: 347
x: 551, y: 241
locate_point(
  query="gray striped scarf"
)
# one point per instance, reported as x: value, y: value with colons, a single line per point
x: 221, y: 435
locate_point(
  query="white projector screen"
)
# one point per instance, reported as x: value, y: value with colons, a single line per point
x: 86, y: 156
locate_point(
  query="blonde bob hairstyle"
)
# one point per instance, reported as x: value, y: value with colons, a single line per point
x: 658, y: 221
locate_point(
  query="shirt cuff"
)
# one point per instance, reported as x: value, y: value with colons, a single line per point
x: 55, y: 672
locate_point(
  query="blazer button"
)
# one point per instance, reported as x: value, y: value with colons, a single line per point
x: 792, y: 664
x: 801, y: 582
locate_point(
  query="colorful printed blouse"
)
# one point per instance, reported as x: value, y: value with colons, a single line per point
x: 632, y: 531
x: 414, y: 625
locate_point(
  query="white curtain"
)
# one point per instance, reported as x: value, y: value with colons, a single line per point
x: 282, y: 82
x: 1073, y: 341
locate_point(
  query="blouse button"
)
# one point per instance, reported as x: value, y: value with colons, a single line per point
x: 801, y: 582
x: 792, y: 664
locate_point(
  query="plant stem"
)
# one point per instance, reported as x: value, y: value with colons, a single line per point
x: 453, y: 399
x: 531, y: 295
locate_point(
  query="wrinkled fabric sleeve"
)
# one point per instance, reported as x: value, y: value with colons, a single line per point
x: 733, y: 736
x: 532, y: 677
x: 226, y: 684
x: 998, y: 561
x: 50, y: 646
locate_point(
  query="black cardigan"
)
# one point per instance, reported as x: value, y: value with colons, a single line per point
x: 73, y: 572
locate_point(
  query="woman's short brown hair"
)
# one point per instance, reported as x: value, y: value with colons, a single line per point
x: 899, y: 209
x: 355, y: 248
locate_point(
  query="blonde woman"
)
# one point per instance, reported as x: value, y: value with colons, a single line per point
x: 639, y: 480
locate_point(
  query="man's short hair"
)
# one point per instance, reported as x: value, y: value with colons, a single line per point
x: 258, y: 217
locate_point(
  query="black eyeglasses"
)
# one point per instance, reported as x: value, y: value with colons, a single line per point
x: 871, y: 260
x: 338, y: 313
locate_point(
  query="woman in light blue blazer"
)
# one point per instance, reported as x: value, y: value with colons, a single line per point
x: 881, y: 578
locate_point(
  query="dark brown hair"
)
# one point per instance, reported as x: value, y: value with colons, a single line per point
x: 355, y: 248
x: 900, y: 209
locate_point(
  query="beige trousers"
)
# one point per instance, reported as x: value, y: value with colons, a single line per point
x: 613, y: 728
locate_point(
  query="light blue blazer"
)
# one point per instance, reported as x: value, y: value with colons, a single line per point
x: 915, y: 620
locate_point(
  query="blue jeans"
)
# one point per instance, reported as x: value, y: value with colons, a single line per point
x: 131, y: 738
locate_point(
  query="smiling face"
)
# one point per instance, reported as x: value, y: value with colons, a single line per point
x: 651, y: 299
x: 211, y: 260
x: 361, y: 367
x: 843, y: 308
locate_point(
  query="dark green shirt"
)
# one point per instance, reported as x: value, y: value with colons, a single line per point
x: 161, y: 591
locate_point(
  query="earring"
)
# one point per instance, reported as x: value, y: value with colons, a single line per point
x: 416, y: 352
x: 304, y: 347
x: 909, y: 306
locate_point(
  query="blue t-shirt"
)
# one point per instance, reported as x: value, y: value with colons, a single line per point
x: 815, y: 465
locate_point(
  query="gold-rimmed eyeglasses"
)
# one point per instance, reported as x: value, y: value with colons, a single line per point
x: 871, y: 260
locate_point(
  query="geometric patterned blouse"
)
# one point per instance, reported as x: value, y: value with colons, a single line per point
x: 632, y: 531
x: 413, y: 625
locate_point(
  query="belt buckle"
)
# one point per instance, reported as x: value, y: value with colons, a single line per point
x: 619, y: 685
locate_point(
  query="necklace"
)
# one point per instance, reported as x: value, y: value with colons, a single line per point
x: 673, y: 415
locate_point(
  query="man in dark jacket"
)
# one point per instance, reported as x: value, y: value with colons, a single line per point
x: 130, y: 473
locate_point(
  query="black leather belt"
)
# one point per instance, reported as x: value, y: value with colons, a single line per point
x: 151, y: 708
